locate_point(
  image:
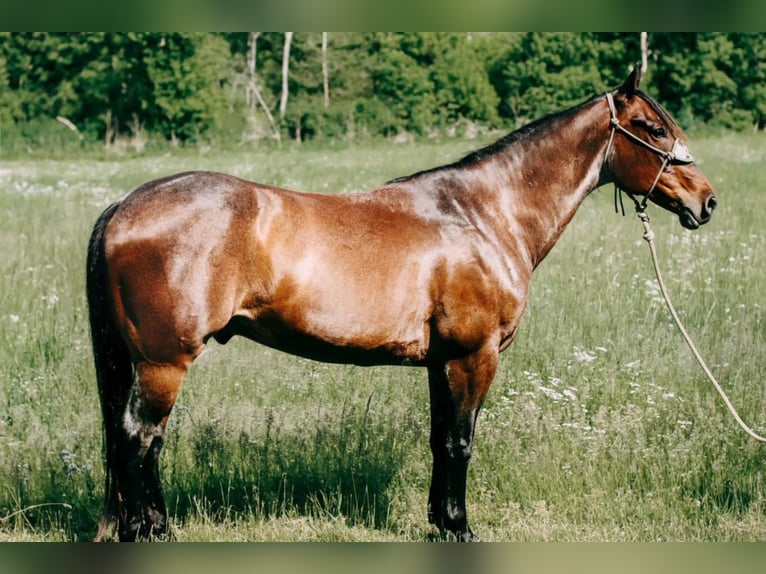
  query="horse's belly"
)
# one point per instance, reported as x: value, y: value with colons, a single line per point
x: 345, y: 310
x: 334, y: 341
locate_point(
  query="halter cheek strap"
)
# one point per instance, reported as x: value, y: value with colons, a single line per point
x: 678, y: 154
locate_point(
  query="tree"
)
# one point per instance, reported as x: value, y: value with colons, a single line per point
x: 10, y: 110
x: 749, y: 74
x: 253, y: 92
x: 186, y: 75
x: 403, y: 86
x: 325, y: 74
x: 544, y: 72
x: 185, y: 86
x: 252, y: 53
x: 644, y: 53
x: 285, y: 73
x: 462, y: 85
x: 696, y: 78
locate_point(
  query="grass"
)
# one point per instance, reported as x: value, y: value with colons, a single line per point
x: 599, y: 425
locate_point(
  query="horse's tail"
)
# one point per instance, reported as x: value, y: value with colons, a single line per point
x: 114, y: 371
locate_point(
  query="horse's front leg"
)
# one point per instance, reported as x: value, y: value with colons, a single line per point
x: 457, y: 391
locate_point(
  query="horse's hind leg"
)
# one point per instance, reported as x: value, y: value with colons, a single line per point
x: 154, y: 510
x: 155, y: 387
x: 457, y: 391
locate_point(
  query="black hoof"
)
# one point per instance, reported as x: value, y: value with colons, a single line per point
x: 462, y: 533
x: 143, y: 531
x: 467, y: 536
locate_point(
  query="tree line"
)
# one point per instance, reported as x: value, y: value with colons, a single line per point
x: 276, y: 85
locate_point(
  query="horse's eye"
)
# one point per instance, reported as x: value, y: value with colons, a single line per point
x: 658, y: 133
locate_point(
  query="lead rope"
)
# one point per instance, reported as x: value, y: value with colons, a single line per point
x: 649, y: 237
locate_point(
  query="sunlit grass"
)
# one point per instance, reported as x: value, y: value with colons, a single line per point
x: 599, y: 425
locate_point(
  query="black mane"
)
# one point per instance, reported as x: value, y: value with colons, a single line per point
x: 477, y: 156
x: 501, y: 145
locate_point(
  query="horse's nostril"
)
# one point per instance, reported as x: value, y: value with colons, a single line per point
x: 711, y: 203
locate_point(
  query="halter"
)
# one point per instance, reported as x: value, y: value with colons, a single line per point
x: 679, y: 154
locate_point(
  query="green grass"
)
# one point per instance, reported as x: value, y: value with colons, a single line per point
x: 599, y: 425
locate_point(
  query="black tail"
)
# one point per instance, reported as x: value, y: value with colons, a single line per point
x: 114, y: 371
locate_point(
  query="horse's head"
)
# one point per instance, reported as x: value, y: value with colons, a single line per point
x: 648, y: 156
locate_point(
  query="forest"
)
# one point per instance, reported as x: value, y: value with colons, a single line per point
x: 217, y: 88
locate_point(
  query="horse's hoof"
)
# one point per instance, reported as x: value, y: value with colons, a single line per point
x: 467, y: 536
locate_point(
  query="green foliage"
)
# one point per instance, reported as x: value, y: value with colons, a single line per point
x: 9, y: 100
x: 461, y: 82
x: 186, y: 74
x: 714, y: 78
x: 192, y: 87
x: 542, y: 73
x: 749, y: 73
x: 407, y: 90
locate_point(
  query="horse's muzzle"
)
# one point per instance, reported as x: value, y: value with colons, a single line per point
x: 691, y: 221
x: 707, y: 208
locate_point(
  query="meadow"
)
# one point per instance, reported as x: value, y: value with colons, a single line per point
x: 599, y: 425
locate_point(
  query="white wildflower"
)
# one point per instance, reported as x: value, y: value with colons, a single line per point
x: 569, y: 394
x: 51, y: 299
x: 584, y: 356
x: 551, y: 393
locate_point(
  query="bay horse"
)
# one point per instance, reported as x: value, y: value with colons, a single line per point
x: 429, y: 270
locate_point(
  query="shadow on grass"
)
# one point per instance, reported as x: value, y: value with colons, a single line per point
x: 727, y: 476
x: 342, y: 463
x: 328, y: 464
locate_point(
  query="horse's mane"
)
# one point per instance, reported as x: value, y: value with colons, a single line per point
x: 526, y: 131
x: 501, y: 145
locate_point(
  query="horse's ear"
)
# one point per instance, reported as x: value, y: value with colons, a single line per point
x: 630, y: 85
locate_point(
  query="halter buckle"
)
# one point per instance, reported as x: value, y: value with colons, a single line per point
x: 680, y: 153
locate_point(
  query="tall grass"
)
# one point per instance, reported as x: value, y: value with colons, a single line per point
x: 599, y: 426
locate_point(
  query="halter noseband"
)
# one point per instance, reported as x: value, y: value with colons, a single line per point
x: 678, y: 154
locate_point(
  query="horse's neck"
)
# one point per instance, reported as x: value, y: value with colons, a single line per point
x: 544, y: 177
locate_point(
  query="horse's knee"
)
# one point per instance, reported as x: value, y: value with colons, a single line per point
x: 154, y: 391
x: 151, y: 398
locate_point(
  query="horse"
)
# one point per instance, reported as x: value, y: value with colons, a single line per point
x: 429, y: 270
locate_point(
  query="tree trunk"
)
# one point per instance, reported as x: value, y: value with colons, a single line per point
x: 253, y: 93
x: 325, y: 74
x: 644, y: 53
x: 252, y: 42
x: 285, y: 70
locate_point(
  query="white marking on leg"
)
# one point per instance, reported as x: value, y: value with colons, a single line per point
x: 135, y: 423
x: 130, y: 420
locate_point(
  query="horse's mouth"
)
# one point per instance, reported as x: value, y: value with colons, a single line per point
x: 688, y: 219
x: 686, y: 215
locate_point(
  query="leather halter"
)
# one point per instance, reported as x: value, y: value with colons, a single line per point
x: 679, y: 154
